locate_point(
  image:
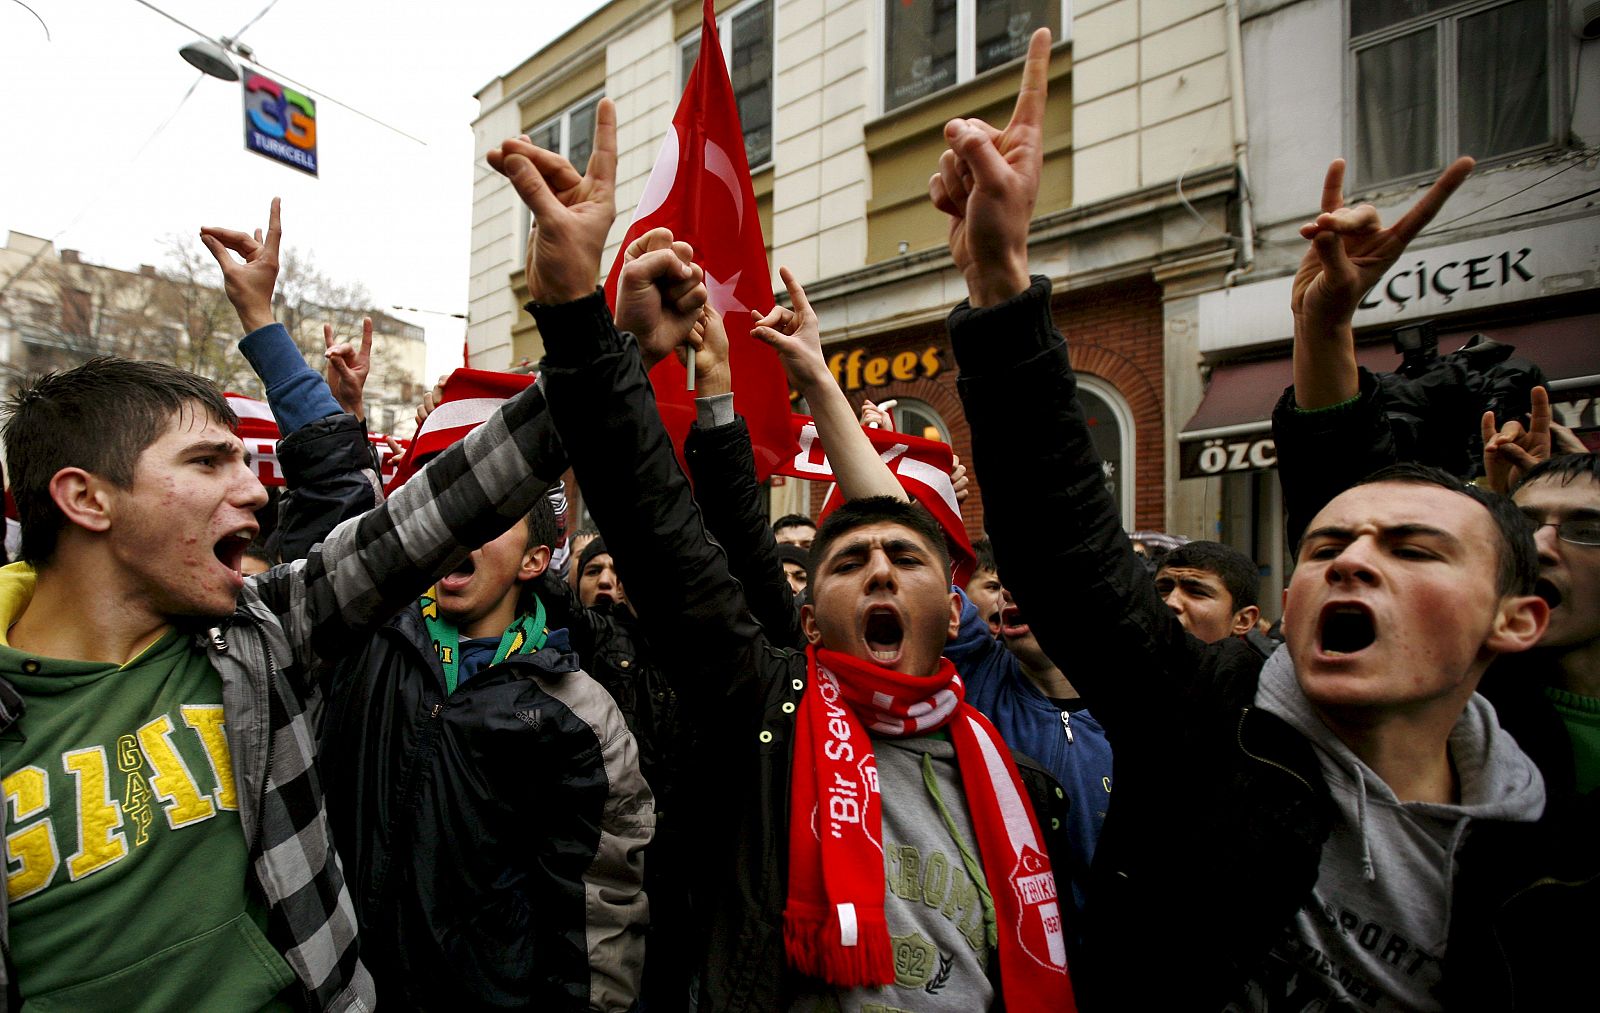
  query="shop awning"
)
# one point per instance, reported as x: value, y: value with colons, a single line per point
x: 1233, y: 422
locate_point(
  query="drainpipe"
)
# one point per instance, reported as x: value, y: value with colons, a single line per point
x: 1241, y: 153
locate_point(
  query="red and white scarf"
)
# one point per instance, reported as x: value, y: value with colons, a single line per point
x: 833, y: 924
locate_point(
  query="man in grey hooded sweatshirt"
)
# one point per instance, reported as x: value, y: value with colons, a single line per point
x: 1347, y: 828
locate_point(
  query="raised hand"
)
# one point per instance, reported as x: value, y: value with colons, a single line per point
x: 660, y: 293
x: 571, y: 213
x: 794, y: 335
x: 708, y: 343
x: 958, y: 478
x: 249, y: 284
x: 877, y: 416
x: 988, y: 181
x: 1510, y: 451
x: 348, y: 367
x: 1350, y: 251
x: 431, y: 400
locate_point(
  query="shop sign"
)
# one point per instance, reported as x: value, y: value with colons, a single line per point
x: 853, y: 369
x: 1218, y: 456
x: 1549, y: 260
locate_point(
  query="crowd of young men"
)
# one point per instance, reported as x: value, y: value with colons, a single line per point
x: 790, y: 767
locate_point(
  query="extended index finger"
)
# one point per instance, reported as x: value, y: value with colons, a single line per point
x: 797, y: 295
x: 1035, y: 81
x: 1424, y: 210
x: 603, y: 159
x: 1333, y: 186
x: 366, y: 337
x: 1539, y: 413
x: 274, y: 228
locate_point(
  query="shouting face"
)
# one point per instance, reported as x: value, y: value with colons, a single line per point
x: 179, y: 531
x: 1569, y: 571
x: 1393, y: 603
x: 480, y: 595
x: 882, y: 594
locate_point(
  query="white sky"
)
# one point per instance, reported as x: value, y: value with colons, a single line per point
x: 386, y: 211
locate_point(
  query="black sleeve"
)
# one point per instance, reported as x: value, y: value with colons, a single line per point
x: 331, y: 475
x: 1057, y: 534
x: 723, y: 468
x: 690, y: 607
x: 1324, y: 452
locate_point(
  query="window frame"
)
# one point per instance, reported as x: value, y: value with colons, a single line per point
x: 1448, y: 131
x: 966, y: 53
x: 1129, y: 435
x: 563, y: 120
x: 725, y: 37
x: 923, y: 407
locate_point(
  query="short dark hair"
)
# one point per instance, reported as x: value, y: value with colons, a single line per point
x: 983, y: 549
x: 1568, y: 468
x: 793, y: 521
x: 1240, y: 576
x: 858, y: 513
x: 1518, y: 558
x: 541, y: 522
x: 99, y: 417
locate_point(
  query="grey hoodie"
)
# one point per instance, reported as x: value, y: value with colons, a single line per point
x: 1372, y: 934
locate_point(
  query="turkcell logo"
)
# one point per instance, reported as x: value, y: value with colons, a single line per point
x: 280, y: 123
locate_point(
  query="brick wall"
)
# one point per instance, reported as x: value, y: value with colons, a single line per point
x: 1114, y: 333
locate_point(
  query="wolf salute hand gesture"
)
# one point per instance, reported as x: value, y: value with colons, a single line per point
x: 571, y: 213
x: 1350, y: 251
x: 987, y: 183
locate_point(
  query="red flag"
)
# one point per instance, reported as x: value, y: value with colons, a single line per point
x: 922, y: 467
x: 700, y: 189
x: 258, y: 431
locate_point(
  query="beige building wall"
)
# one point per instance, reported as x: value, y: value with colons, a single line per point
x: 1150, y: 93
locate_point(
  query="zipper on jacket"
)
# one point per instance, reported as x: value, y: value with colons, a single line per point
x: 1239, y: 737
x: 1066, y: 725
x: 1499, y: 943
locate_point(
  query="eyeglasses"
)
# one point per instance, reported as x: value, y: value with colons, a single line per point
x: 1577, y: 530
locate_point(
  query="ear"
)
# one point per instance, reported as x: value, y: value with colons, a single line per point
x: 1518, y: 625
x: 808, y: 624
x: 955, y: 616
x: 1244, y: 619
x: 534, y: 562
x: 83, y: 498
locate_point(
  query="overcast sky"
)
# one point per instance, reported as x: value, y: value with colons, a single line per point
x: 386, y: 211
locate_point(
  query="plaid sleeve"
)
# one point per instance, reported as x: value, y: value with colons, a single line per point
x: 371, y: 566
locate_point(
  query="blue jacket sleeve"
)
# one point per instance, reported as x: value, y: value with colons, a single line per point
x: 296, y: 393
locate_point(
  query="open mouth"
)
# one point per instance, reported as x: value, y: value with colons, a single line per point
x: 884, y: 635
x: 230, y: 548
x: 1347, y: 629
x: 1011, y: 623
x: 1548, y: 591
x: 460, y: 577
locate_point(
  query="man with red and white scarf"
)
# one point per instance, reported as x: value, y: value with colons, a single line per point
x: 870, y: 841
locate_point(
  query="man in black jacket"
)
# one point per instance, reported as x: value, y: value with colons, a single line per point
x: 1353, y: 823
x: 883, y: 603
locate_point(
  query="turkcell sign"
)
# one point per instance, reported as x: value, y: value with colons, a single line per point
x: 280, y: 123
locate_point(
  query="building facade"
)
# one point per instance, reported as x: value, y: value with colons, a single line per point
x: 1400, y: 89
x: 843, y: 104
x: 57, y: 310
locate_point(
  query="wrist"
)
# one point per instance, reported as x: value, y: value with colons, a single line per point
x: 811, y: 383
x: 990, y: 285
x: 255, y: 318
x: 713, y: 380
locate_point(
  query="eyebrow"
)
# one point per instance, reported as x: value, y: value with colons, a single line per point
x: 862, y: 546
x: 217, y: 447
x: 1388, y: 534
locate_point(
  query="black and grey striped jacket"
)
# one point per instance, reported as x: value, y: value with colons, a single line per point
x: 297, y: 616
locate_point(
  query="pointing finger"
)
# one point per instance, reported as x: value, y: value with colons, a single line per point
x: 366, y: 337
x: 603, y: 160
x: 274, y: 227
x: 1333, y: 186
x: 1035, y: 82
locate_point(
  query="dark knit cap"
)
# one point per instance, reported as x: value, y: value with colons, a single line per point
x: 795, y: 554
x: 596, y: 547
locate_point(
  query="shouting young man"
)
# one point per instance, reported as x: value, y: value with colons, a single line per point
x: 1345, y: 826
x: 166, y: 836
x: 818, y: 765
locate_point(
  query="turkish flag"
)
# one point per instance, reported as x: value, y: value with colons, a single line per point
x: 700, y: 189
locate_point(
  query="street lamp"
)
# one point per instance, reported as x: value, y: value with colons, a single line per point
x: 210, y: 58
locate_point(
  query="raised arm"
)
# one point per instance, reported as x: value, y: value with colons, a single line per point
x: 1056, y: 531
x: 691, y: 608
x: 793, y: 333
x: 1329, y: 427
x: 722, y: 466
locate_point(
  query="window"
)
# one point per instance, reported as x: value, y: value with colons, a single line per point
x: 572, y: 134
x: 919, y: 419
x: 1111, y: 432
x: 746, y: 35
x: 1434, y: 78
x: 929, y: 45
